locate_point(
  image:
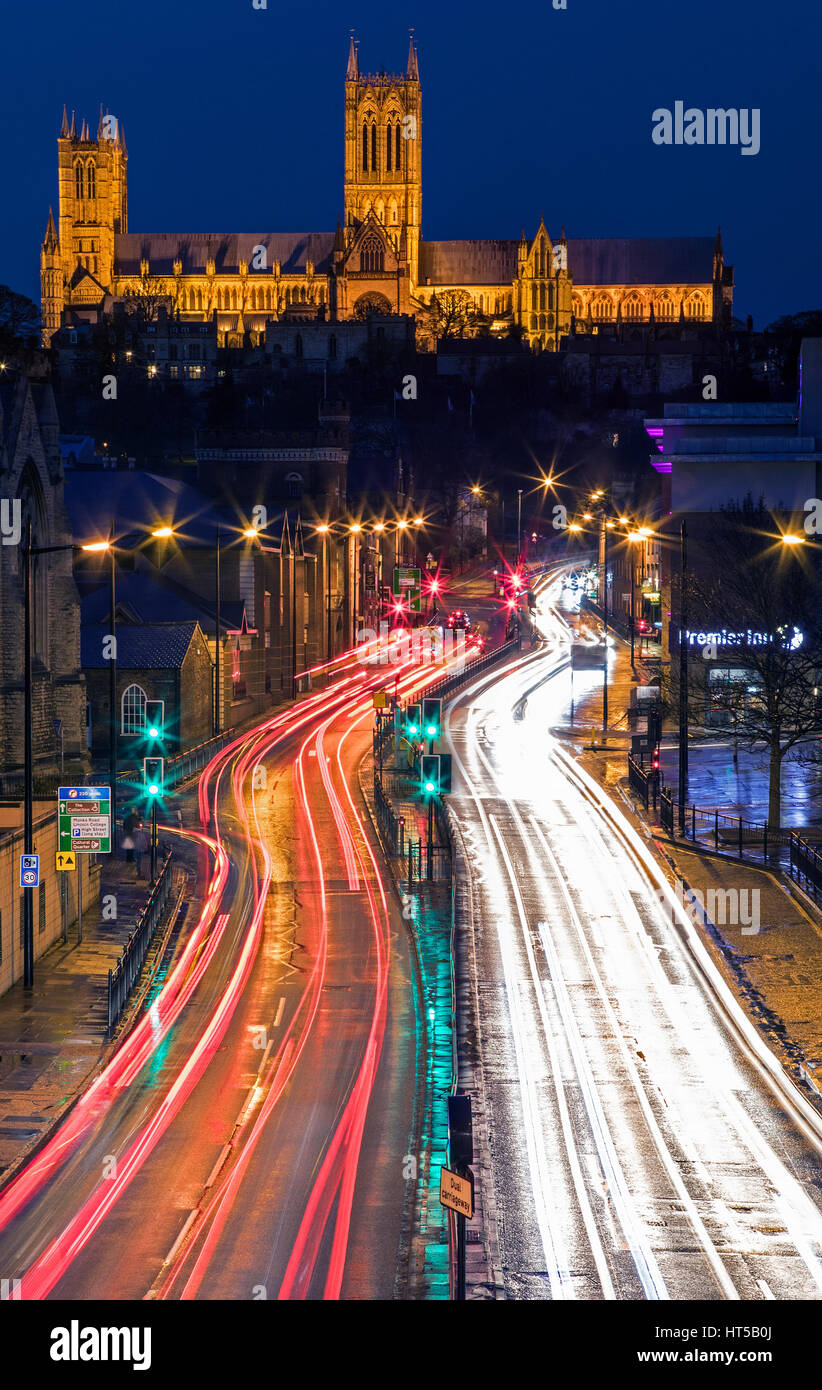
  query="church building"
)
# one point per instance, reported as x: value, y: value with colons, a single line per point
x: 375, y: 262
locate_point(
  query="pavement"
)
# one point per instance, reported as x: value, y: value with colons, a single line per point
x: 763, y: 931
x: 53, y: 1038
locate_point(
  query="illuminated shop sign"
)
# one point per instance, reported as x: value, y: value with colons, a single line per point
x: 745, y: 638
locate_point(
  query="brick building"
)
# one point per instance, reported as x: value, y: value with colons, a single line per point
x: 157, y: 661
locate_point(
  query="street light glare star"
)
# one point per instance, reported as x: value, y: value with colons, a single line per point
x: 323, y: 528
x: 95, y: 545
x: 790, y: 539
x: 162, y: 532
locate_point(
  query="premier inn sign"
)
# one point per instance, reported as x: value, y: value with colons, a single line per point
x: 746, y: 638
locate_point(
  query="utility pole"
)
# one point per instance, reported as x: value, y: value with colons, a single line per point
x: 683, y: 677
x: 28, y: 773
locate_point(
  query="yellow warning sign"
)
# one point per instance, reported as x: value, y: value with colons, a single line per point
x: 380, y: 699
x: 65, y: 859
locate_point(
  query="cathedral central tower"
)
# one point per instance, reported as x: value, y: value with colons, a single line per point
x: 383, y: 132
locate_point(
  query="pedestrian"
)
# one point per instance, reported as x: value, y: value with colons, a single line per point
x: 129, y: 825
x: 141, y: 845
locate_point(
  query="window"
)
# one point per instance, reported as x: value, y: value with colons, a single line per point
x: 294, y: 484
x: 194, y: 351
x: 91, y: 180
x: 388, y: 147
x: 41, y: 916
x: 398, y: 149
x: 78, y: 180
x: 372, y: 255
x: 196, y: 370
x: 364, y: 147
x: 172, y: 352
x: 133, y: 710
x: 374, y: 146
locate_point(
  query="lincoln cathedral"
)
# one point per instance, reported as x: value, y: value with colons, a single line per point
x: 376, y: 261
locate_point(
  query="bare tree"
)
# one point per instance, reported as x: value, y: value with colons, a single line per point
x: 144, y: 299
x: 451, y: 314
x: 767, y: 594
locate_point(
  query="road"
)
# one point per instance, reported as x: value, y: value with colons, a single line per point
x: 644, y: 1143
x: 246, y: 1140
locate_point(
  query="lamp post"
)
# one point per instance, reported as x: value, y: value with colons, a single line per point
x: 323, y: 530
x: 683, y: 676
x: 217, y: 689
x: 112, y: 691
x: 355, y: 528
x: 519, y: 525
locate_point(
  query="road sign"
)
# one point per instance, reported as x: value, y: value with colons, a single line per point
x: 84, y: 820
x: 65, y: 859
x: 29, y: 870
x: 408, y: 586
x: 380, y: 699
x: 457, y: 1192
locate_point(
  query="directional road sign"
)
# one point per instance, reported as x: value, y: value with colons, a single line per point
x: 64, y: 860
x: 84, y: 820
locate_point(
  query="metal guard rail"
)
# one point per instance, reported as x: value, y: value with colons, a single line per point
x: 122, y: 978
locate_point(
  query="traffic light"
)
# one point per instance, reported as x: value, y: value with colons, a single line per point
x: 155, y: 716
x: 655, y: 760
x: 413, y: 722
x: 153, y: 770
x: 430, y: 774
x: 431, y: 718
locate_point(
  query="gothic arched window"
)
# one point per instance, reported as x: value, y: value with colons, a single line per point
x: 542, y: 296
x: 374, y: 147
x: 78, y: 180
x: 364, y: 147
x: 533, y: 297
x: 91, y: 179
x: 133, y: 710
x: 388, y: 133
x: 372, y: 255
x: 398, y: 148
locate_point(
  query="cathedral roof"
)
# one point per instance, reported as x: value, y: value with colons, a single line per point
x: 591, y: 261
x: 162, y: 249
x: 468, y: 262
x: 685, y: 260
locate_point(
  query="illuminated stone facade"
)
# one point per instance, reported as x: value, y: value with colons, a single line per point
x: 377, y: 258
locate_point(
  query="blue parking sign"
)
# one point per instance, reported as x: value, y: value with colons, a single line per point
x: 29, y: 870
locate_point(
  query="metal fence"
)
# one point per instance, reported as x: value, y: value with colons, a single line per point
x: 182, y: 765
x: 754, y: 842
x: 645, y: 782
x: 122, y: 978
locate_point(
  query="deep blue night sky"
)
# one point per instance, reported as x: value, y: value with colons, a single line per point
x: 233, y: 119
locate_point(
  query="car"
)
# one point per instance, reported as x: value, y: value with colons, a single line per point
x: 478, y: 643
x: 459, y: 619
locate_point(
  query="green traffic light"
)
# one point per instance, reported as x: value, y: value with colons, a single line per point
x: 431, y: 731
x: 429, y: 786
x: 154, y: 732
x: 153, y: 789
x: 412, y: 729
